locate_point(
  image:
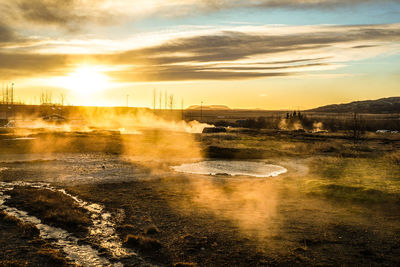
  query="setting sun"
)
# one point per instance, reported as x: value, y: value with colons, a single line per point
x: 85, y: 80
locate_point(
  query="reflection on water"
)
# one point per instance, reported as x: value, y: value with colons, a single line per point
x: 21, y: 138
x: 245, y: 168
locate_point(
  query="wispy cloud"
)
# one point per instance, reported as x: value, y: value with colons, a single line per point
x: 237, y: 55
x: 234, y: 53
x: 69, y: 14
x: 285, y: 3
x: 14, y: 65
x: 176, y: 8
x: 6, y: 34
x: 173, y: 8
x: 75, y: 14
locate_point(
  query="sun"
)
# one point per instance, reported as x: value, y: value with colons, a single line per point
x: 86, y: 80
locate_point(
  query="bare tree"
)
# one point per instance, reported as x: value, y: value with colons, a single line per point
x: 160, y: 100
x: 62, y: 98
x: 154, y: 98
x: 357, y: 129
x: 171, y: 101
x: 182, y: 111
x: 165, y: 99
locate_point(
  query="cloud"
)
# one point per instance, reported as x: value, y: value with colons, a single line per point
x: 10, y: 38
x: 218, y: 4
x: 6, y: 34
x: 75, y: 15
x: 236, y: 45
x: 187, y: 73
x: 59, y: 12
x: 18, y: 65
x: 177, y: 8
x: 238, y: 53
x: 69, y: 14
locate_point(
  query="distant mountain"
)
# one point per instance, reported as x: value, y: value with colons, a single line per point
x: 383, y: 105
x: 210, y: 107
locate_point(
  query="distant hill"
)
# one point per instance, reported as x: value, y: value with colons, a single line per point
x: 379, y: 106
x: 210, y: 107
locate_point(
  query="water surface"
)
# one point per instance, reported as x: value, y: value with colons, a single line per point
x: 233, y: 168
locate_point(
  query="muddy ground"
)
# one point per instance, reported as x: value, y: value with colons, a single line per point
x: 338, y: 204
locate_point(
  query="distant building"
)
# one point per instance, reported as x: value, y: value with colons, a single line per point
x: 214, y: 130
x: 54, y: 118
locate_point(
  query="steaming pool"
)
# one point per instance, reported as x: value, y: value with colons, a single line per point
x: 232, y: 168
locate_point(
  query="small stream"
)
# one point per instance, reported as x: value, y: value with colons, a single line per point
x: 102, y: 232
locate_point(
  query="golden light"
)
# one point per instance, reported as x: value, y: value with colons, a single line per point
x: 85, y: 80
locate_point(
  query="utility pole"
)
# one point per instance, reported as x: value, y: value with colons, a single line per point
x: 7, y: 102
x: 160, y: 100
x: 171, y: 102
x: 12, y: 94
x: 182, y: 115
x: 7, y: 95
x: 165, y: 99
x: 357, y: 130
x: 201, y: 111
x: 154, y: 99
x: 12, y: 101
x: 62, y: 99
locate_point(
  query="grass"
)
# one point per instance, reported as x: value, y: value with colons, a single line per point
x: 361, y: 180
x: 53, y: 208
x: 267, y: 144
x: 358, y: 194
x: 27, y: 230
x: 393, y: 157
x: 184, y: 264
x: 22, y: 246
x: 52, y: 255
x: 365, y: 172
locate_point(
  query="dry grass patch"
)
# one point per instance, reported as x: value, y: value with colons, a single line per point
x: 53, y: 208
x: 142, y: 243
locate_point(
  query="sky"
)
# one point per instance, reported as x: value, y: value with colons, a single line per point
x: 265, y: 54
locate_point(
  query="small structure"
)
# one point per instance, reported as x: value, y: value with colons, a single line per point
x: 386, y: 132
x: 320, y: 131
x: 382, y: 131
x: 54, y: 118
x: 214, y: 130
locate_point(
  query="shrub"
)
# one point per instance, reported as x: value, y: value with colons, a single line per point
x: 142, y: 243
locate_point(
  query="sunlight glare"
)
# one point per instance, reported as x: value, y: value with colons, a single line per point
x: 86, y: 80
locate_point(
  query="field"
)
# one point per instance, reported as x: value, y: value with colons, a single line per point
x: 337, y: 204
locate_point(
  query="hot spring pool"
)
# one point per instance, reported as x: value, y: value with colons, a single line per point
x: 233, y: 168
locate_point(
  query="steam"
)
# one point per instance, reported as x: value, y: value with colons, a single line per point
x: 295, y: 125
x: 250, y: 205
x: 89, y: 119
x: 158, y: 143
x: 141, y: 119
x: 318, y: 127
x: 290, y: 126
x: 24, y: 126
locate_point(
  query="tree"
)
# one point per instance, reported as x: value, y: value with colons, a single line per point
x: 171, y: 101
